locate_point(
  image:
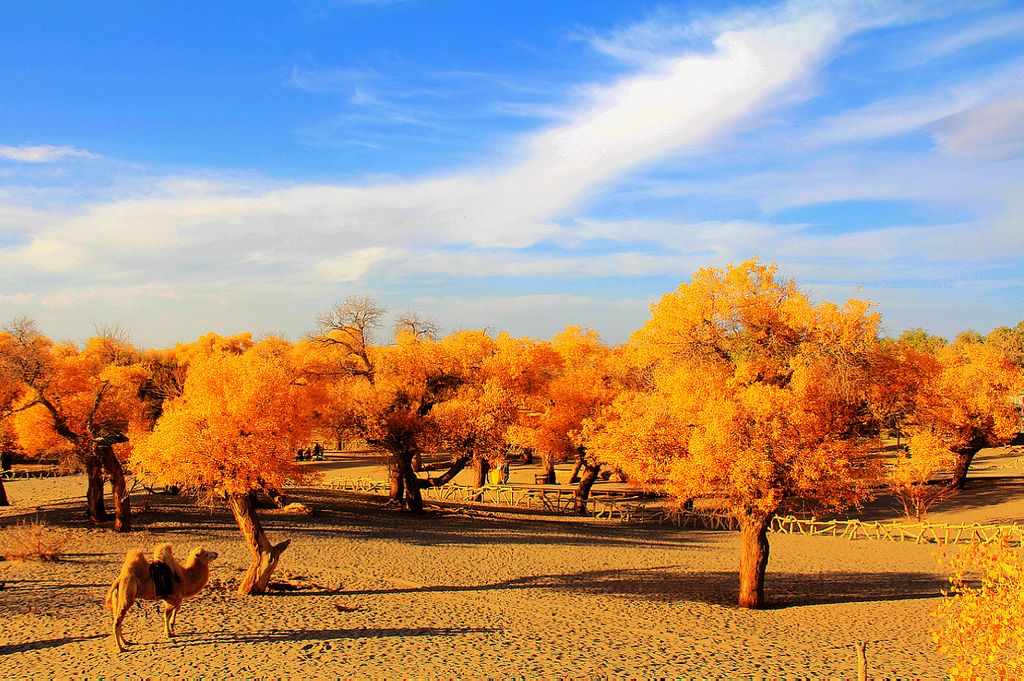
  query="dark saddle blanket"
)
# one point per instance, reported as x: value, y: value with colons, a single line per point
x: 163, y: 578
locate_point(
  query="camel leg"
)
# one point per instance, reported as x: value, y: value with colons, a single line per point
x: 170, y: 613
x: 124, y: 598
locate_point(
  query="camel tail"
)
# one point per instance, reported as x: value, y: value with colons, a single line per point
x: 111, y: 598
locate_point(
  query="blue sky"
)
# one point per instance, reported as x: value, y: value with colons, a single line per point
x: 184, y: 167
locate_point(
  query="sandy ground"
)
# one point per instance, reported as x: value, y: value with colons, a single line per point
x: 478, y: 592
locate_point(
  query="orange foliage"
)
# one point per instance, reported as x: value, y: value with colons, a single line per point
x: 980, y: 617
x: 963, y: 399
x: 236, y: 425
x: 581, y: 385
x: 965, y: 396
x: 751, y: 392
x: 746, y: 391
x: 476, y: 413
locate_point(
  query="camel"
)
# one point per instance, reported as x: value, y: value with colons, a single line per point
x: 162, y: 579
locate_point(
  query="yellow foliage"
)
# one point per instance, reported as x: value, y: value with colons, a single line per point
x: 911, y: 472
x: 236, y: 425
x: 981, y: 619
x: 964, y: 396
x: 748, y: 391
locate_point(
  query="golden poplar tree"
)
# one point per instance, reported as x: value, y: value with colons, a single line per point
x: 233, y: 432
x: 81, y: 403
x: 963, y: 400
x: 744, y: 390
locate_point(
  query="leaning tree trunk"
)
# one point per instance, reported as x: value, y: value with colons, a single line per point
x: 574, y: 477
x: 94, y: 493
x: 454, y: 468
x: 753, y: 558
x: 122, y: 500
x: 480, y: 469
x: 582, y: 494
x: 964, y: 457
x: 264, y: 555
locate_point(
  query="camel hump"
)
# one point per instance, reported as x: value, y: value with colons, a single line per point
x: 135, y: 563
x: 163, y: 553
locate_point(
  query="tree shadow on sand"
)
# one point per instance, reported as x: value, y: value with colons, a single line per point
x: 305, y: 635
x: 980, y: 493
x: 48, y: 643
x: 667, y: 584
x: 346, y: 515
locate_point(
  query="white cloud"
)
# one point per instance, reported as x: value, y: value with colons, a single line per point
x: 680, y: 103
x: 224, y: 249
x: 993, y: 130
x: 351, y: 266
x: 42, y: 153
x: 993, y: 29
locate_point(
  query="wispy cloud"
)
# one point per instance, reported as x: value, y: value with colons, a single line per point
x: 42, y: 153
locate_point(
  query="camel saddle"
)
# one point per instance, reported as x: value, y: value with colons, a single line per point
x: 163, y: 578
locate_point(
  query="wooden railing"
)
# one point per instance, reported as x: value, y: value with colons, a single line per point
x: 30, y: 474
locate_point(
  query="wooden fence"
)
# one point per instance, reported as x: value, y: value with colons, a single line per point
x: 29, y: 474
x: 894, y: 530
x: 632, y: 508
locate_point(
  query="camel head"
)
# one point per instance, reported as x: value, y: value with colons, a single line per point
x: 200, y: 556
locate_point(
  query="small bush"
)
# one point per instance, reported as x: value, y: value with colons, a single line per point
x: 33, y: 540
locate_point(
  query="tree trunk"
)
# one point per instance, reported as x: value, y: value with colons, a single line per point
x: 122, y: 500
x: 454, y: 469
x: 582, y: 494
x: 527, y: 456
x: 964, y: 457
x: 417, y: 462
x: 265, y: 556
x: 396, y: 484
x: 480, y: 469
x: 94, y: 493
x: 3, y: 494
x: 574, y: 478
x: 548, y: 460
x: 413, y: 496
x: 753, y: 559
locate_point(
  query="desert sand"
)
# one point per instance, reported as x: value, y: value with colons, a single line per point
x: 472, y: 591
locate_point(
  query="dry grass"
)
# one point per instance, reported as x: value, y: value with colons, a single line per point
x: 33, y: 540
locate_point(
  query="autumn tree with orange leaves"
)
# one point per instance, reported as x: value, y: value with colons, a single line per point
x: 472, y: 420
x: 232, y: 433
x: 579, y: 382
x: 384, y: 394
x: 80, y: 403
x: 746, y: 391
x: 964, y: 400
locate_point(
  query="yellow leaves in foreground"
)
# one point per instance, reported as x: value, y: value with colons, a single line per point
x: 979, y: 619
